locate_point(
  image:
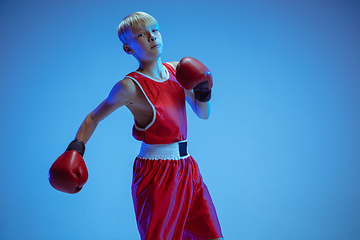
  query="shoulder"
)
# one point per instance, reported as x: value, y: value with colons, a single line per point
x: 124, y: 89
x: 125, y: 85
x: 173, y: 64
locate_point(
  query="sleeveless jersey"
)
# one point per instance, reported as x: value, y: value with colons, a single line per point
x: 167, y: 99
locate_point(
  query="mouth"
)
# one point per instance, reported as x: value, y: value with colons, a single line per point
x: 155, y: 46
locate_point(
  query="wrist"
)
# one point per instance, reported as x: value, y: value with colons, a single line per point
x: 78, y: 146
x: 202, y: 91
x: 202, y: 96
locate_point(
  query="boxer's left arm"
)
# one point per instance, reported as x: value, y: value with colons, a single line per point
x: 201, y: 109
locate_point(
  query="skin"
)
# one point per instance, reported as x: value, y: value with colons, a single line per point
x: 146, y: 46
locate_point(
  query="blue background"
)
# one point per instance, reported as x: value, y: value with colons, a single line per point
x: 280, y: 152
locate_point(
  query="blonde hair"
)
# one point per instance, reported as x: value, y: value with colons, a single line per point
x: 133, y: 23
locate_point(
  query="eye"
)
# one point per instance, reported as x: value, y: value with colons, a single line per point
x: 155, y: 30
x: 140, y: 34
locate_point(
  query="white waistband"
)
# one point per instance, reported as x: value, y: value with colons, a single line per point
x: 161, y: 151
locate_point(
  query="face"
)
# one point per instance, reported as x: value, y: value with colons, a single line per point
x: 146, y: 44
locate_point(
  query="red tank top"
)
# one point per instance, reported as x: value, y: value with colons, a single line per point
x: 167, y: 99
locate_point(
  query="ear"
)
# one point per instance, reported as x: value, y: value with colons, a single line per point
x: 128, y: 49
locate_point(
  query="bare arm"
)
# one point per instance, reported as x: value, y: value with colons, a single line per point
x: 120, y: 95
x: 201, y: 109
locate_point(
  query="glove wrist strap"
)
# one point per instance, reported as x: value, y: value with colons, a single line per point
x: 78, y: 146
x: 202, y: 96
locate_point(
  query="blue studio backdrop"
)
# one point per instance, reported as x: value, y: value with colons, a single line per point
x: 280, y: 152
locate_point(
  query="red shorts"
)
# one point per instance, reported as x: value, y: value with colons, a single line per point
x: 171, y: 201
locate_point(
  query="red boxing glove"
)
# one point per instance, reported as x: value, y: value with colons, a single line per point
x: 68, y: 173
x: 192, y: 74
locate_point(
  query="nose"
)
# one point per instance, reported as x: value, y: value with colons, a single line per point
x: 152, y: 37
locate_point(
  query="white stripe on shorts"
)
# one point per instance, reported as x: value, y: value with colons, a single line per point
x: 161, y: 151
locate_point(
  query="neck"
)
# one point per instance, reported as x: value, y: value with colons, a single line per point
x: 154, y: 69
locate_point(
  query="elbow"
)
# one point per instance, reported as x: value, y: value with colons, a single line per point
x: 92, y: 119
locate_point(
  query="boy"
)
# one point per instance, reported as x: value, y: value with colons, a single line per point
x: 170, y: 199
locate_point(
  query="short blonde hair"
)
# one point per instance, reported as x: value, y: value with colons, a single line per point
x: 133, y: 23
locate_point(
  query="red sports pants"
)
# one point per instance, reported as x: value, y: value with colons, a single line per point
x: 171, y: 201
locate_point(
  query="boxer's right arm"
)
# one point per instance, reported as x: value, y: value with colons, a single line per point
x: 69, y: 173
x: 121, y: 94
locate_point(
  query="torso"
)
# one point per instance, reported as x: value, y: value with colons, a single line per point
x: 158, y: 107
x: 140, y: 107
